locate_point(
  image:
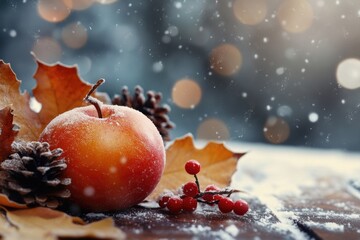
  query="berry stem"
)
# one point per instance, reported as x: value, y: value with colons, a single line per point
x: 197, y: 182
x: 207, y: 202
x: 92, y: 100
x: 224, y: 192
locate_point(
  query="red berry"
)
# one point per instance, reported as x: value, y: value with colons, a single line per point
x: 210, y: 197
x: 175, y: 204
x: 226, y: 205
x: 163, y: 201
x: 189, y: 204
x: 190, y: 189
x: 241, y: 207
x: 218, y: 197
x: 192, y: 167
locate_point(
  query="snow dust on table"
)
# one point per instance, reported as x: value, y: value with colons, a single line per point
x: 307, y: 190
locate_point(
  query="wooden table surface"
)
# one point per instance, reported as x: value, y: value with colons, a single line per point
x: 294, y: 193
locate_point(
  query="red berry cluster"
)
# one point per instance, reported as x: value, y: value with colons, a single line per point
x: 191, y: 195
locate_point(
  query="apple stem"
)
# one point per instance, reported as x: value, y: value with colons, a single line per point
x: 92, y: 100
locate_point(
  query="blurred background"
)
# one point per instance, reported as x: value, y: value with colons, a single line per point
x: 280, y: 71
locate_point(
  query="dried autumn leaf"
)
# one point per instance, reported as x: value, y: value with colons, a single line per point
x: 7, y: 231
x: 6, y: 202
x: 24, y: 117
x: 218, y: 164
x: 59, y: 89
x: 7, y: 134
x: 44, y: 223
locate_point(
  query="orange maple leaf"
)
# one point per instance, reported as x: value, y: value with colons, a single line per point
x: 11, y: 96
x: 59, y: 89
x: 218, y: 165
x: 6, y: 202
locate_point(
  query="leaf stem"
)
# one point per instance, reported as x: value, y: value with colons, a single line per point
x: 92, y: 100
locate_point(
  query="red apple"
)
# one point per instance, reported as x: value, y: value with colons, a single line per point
x: 114, y: 162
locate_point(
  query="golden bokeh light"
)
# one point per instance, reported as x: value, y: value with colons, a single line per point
x: 295, y: 16
x: 74, y: 35
x: 79, y: 4
x: 47, y: 50
x: 213, y: 129
x: 250, y: 12
x: 186, y: 93
x: 276, y: 130
x: 226, y: 59
x: 348, y: 73
x: 53, y: 10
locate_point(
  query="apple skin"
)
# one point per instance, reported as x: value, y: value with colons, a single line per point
x: 114, y: 162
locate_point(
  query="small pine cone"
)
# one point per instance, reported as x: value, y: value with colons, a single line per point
x: 31, y: 175
x: 150, y: 106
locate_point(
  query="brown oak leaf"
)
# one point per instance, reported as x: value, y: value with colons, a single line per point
x: 7, y: 133
x: 45, y: 223
x: 218, y: 164
x: 59, y: 89
x: 11, y: 96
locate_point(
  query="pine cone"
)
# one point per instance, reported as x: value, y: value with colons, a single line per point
x: 150, y: 107
x: 31, y: 175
